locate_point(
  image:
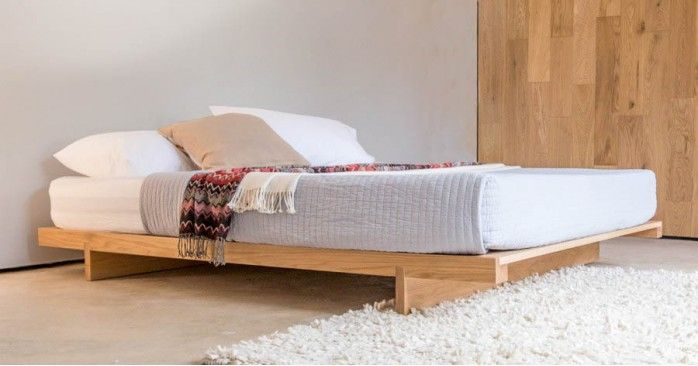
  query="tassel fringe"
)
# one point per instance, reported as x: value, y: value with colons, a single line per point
x: 198, y: 247
x: 267, y: 193
x: 263, y: 201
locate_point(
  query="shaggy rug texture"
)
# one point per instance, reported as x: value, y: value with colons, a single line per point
x: 575, y: 315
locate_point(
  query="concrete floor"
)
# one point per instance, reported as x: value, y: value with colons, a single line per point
x: 52, y: 315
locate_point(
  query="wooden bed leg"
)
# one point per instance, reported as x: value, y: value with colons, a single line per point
x: 103, y: 265
x: 420, y: 293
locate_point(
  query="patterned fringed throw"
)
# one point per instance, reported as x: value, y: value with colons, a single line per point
x: 206, y: 215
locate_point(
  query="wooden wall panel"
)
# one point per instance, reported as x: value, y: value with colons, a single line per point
x: 539, y: 30
x: 594, y: 83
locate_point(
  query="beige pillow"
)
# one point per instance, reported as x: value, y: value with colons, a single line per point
x: 231, y: 140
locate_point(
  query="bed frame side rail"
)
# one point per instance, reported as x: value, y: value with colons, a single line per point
x: 421, y: 280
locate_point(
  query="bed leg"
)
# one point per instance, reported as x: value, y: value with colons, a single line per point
x: 103, y: 265
x: 420, y: 293
x: 415, y: 292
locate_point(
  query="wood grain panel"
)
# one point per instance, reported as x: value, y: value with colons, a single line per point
x: 539, y: 40
x: 606, y: 96
x: 584, y: 33
x: 562, y: 18
x: 632, y: 142
x: 595, y: 83
x: 680, y: 152
x: 491, y: 80
x: 609, y: 8
x: 517, y: 19
x: 516, y: 100
x: 657, y: 15
x: 632, y: 35
x: 682, y: 43
x: 561, y: 77
x: 582, y: 120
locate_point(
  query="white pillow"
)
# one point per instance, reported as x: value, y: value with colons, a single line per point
x: 123, y: 154
x: 321, y: 141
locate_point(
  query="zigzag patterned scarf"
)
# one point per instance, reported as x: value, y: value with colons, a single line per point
x: 205, y: 217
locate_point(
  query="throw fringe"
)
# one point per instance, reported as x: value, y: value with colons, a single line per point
x: 276, y: 202
x: 199, y: 247
x: 267, y: 193
x: 245, y: 199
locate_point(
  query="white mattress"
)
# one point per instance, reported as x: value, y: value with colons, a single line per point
x: 528, y: 207
x: 101, y: 204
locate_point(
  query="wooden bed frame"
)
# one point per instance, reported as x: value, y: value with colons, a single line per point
x: 421, y: 280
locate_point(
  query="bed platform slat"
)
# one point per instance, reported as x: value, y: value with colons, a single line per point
x: 422, y: 280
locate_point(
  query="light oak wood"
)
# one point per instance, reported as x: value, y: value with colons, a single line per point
x: 539, y: 40
x: 420, y: 293
x: 653, y: 233
x: 594, y: 84
x: 422, y: 280
x: 413, y: 292
x: 101, y: 265
x: 331, y: 260
x: 584, y: 254
x: 652, y: 229
x: 66, y: 239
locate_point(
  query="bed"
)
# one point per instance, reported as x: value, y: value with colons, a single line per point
x: 440, y: 234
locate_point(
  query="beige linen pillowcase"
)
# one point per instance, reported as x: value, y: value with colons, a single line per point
x: 231, y: 140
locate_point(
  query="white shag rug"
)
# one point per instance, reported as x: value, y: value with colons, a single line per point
x: 574, y: 315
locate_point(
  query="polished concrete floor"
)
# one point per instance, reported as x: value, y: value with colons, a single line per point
x: 52, y: 315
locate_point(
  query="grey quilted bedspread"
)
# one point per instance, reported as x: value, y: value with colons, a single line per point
x: 389, y: 212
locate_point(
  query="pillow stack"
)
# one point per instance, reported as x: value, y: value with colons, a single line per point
x: 232, y: 137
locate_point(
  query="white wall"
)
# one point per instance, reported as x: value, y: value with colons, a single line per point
x: 403, y: 72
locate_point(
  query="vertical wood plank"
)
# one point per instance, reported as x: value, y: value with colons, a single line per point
x: 607, y: 64
x: 583, y: 114
x: 560, y: 150
x: 562, y: 18
x: 516, y: 103
x: 632, y: 33
x: 680, y: 154
x: 539, y: 40
x: 537, y: 149
x: 655, y: 122
x: 682, y: 43
x: 584, y: 34
x: 692, y: 230
x: 561, y: 77
x: 632, y: 142
x: 491, y: 73
x: 679, y: 193
x: 517, y: 19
